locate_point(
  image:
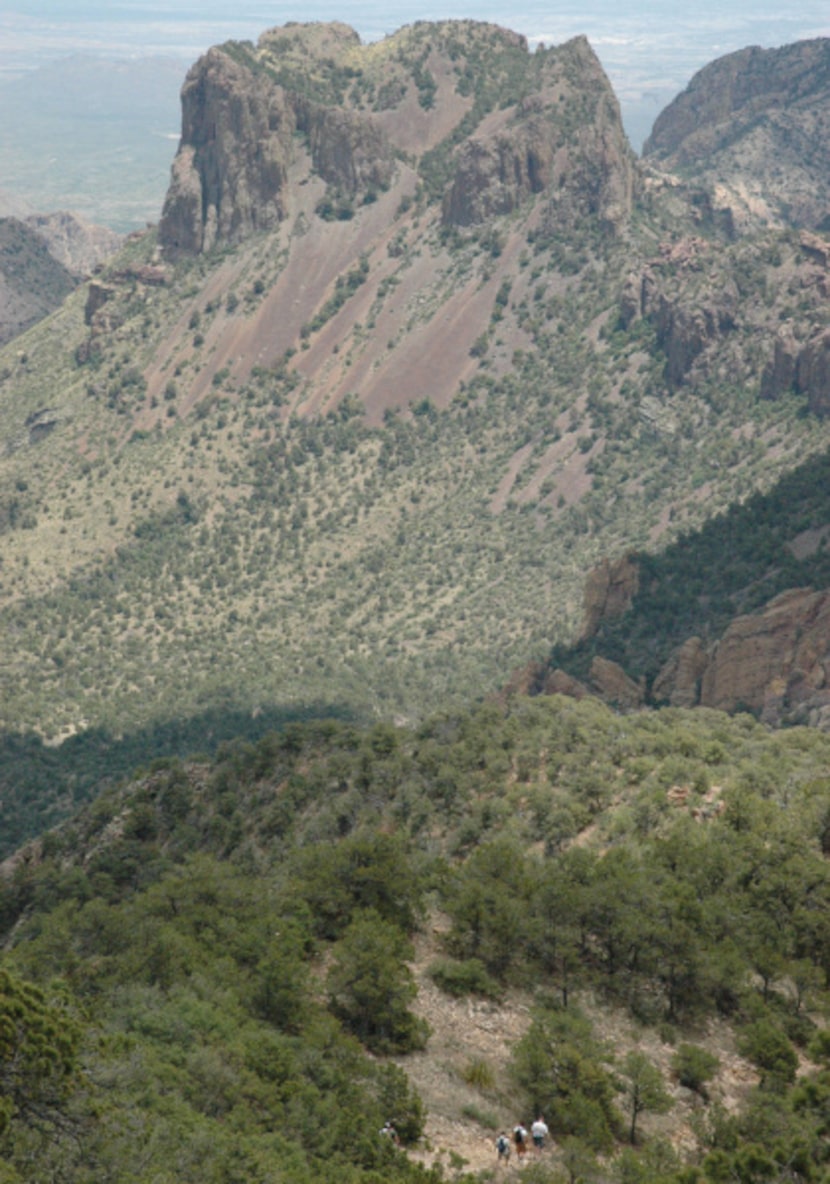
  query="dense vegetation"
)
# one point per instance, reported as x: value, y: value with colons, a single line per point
x: 734, y: 564
x: 217, y: 943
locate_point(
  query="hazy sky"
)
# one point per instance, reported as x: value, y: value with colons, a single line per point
x: 645, y: 45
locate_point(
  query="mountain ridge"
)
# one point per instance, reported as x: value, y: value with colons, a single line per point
x: 368, y: 455
x: 335, y: 477
x: 751, y: 128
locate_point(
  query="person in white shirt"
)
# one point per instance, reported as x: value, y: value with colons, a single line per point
x: 539, y: 1131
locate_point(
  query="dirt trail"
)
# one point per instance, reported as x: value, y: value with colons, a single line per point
x: 469, y: 1037
x: 463, y: 1078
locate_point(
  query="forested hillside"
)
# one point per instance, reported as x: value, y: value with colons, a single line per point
x: 211, y: 952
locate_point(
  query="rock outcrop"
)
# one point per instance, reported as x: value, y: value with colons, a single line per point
x: 800, y: 359
x: 611, y: 683
x: 775, y: 662
x: 229, y: 173
x: 800, y: 366
x: 359, y: 110
x: 751, y: 130
x: 562, y: 141
x: 679, y: 681
x: 689, y: 317
x: 609, y: 590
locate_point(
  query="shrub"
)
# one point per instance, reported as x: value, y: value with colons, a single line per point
x: 464, y: 978
x: 371, y: 987
x: 694, y: 1067
x: 479, y: 1073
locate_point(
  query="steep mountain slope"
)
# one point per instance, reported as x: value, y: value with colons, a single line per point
x: 42, y: 258
x: 413, y: 348
x: 580, y: 904
x: 752, y: 130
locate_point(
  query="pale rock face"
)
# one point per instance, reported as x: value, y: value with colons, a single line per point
x: 678, y: 683
x: 614, y: 685
x: 813, y: 376
x: 803, y: 367
x: 609, y: 590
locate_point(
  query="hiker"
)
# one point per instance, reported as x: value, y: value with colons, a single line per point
x: 539, y: 1131
x: 520, y: 1139
x: 389, y: 1131
x: 503, y: 1148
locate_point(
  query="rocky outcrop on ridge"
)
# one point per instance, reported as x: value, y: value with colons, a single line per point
x: 800, y: 360
x: 484, y: 121
x: 751, y: 129
x: 800, y: 366
x: 565, y: 143
x: 774, y: 663
x: 229, y: 172
x: 689, y: 313
x: 770, y: 295
x: 609, y: 590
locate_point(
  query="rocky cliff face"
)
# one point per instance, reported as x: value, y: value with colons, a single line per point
x: 800, y: 359
x: 544, y: 125
x: 752, y: 129
x: 609, y: 590
x: 229, y: 173
x: 703, y: 298
x: 775, y: 663
x: 565, y: 142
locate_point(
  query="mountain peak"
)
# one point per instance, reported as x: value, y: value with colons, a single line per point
x: 484, y: 123
x: 751, y: 128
